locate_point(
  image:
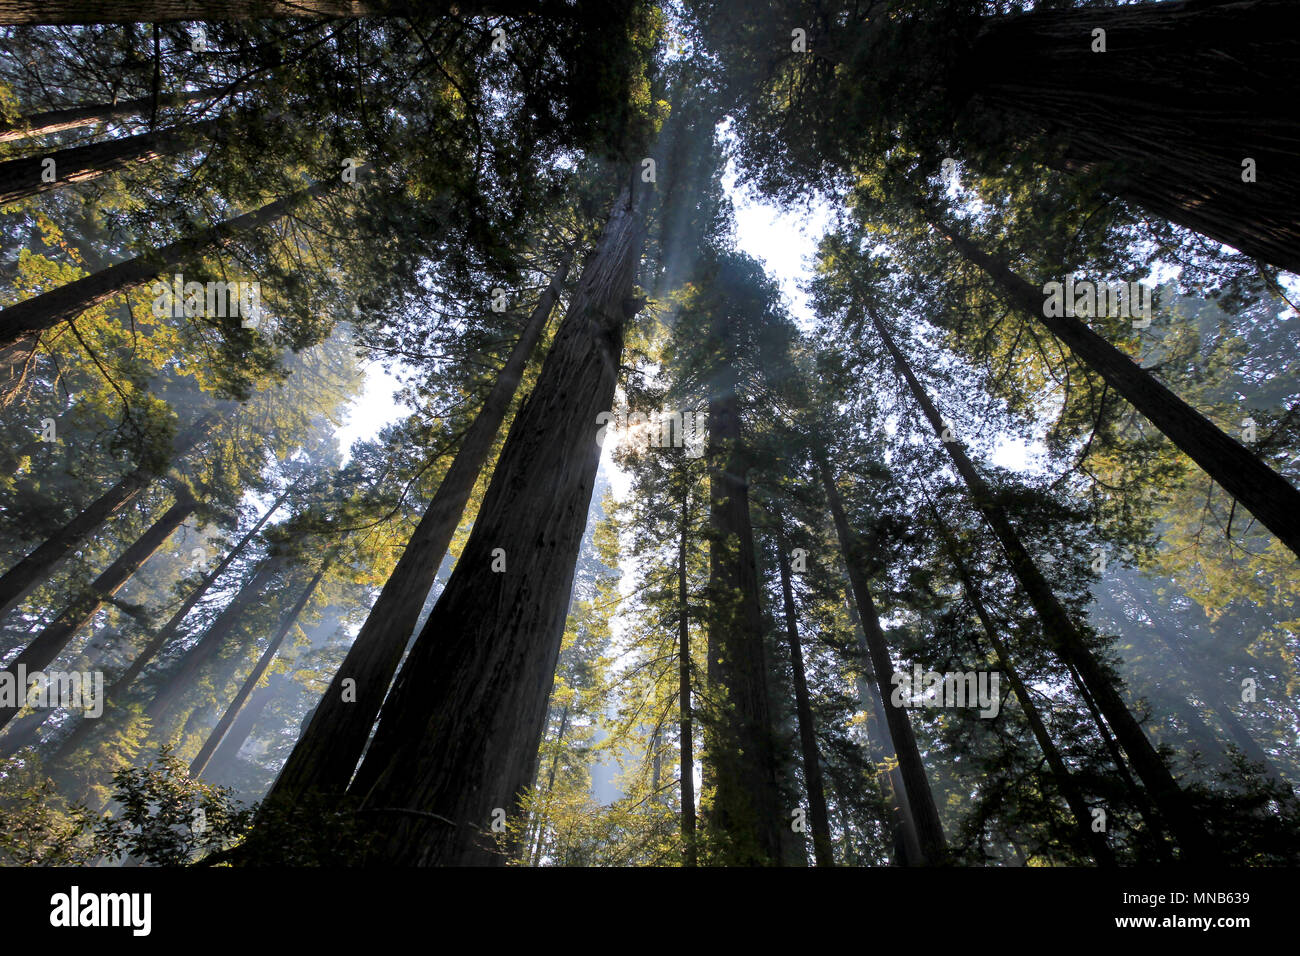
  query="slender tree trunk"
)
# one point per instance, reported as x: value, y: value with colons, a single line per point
x: 328, y: 751
x: 200, y: 762
x: 1266, y: 494
x: 31, y: 317
x: 32, y: 571
x: 1088, y: 841
x: 1236, y: 730
x: 812, y: 771
x: 458, y: 736
x: 160, y: 11
x: 76, y: 117
x: 920, y: 800
x: 1065, y: 636
x: 900, y: 823
x: 182, y: 677
x: 690, y: 852
x: 223, y: 759
x: 746, y: 809
x: 1174, y: 74
x: 85, y: 728
x: 32, y: 175
x: 55, y: 637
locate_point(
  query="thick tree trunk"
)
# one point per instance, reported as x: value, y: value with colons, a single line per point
x: 160, y: 11
x: 55, y: 637
x: 686, y: 764
x: 1266, y: 494
x: 76, y: 117
x: 328, y: 751
x: 200, y: 762
x: 29, y: 318
x: 1089, y: 841
x: 24, y: 177
x: 920, y: 800
x: 1064, y: 636
x: 1159, y: 113
x: 746, y: 810
x: 32, y: 571
x: 812, y: 770
x: 457, y: 739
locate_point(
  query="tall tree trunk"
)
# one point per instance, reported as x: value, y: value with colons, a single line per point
x: 32, y: 571
x: 686, y: 764
x: 328, y: 751
x: 1236, y: 730
x: 85, y: 728
x: 812, y: 770
x: 746, y: 809
x: 24, y: 177
x: 1266, y: 494
x: 224, y: 757
x: 900, y: 822
x: 1064, y: 636
x: 55, y: 637
x: 458, y: 736
x: 287, y: 621
x: 182, y: 677
x: 920, y: 800
x: 27, y: 319
x: 76, y: 117
x: 161, y: 11
x: 1159, y: 114
x: 1088, y: 840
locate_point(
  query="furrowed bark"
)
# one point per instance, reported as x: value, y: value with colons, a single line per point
x: 327, y: 754
x: 458, y: 737
x: 161, y: 11
x: 77, y: 117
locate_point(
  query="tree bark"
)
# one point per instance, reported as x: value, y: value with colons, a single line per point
x: 686, y: 764
x: 920, y: 800
x: 1088, y: 841
x: 29, y: 318
x: 161, y: 11
x: 55, y: 637
x: 1063, y: 635
x: 25, y: 177
x: 812, y: 771
x: 85, y: 728
x: 328, y: 751
x: 33, y: 570
x: 1159, y: 113
x: 77, y: 117
x: 200, y: 762
x: 458, y: 736
x: 1266, y: 494
x: 746, y: 810
x: 182, y: 677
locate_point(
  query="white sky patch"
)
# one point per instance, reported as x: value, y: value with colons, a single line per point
x: 375, y: 407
